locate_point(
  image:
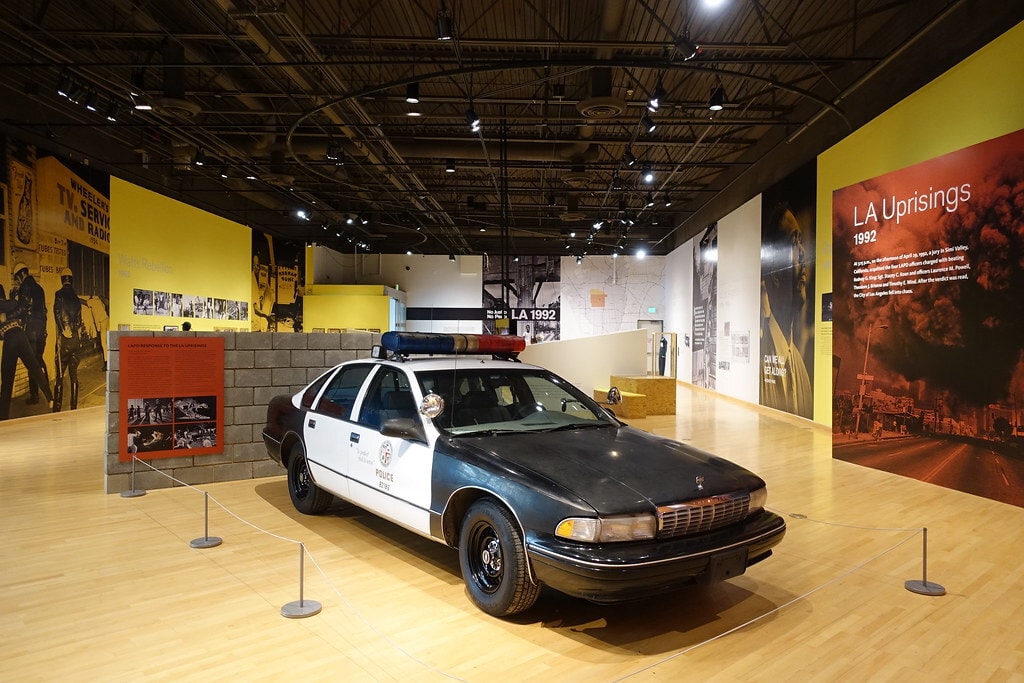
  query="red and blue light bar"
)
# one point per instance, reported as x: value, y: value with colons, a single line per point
x: 432, y: 343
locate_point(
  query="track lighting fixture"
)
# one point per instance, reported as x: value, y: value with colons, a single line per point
x: 650, y: 199
x: 473, y: 119
x: 656, y: 97
x: 443, y: 25
x: 412, y: 93
x: 687, y: 48
x: 451, y: 257
x: 113, y: 110
x: 647, y: 123
x: 200, y: 157
x: 333, y: 152
x: 668, y: 201
x: 647, y: 175
x: 64, y: 82
x: 223, y: 171
x: 717, y: 101
x: 628, y: 157
x: 449, y: 166
x: 90, y: 101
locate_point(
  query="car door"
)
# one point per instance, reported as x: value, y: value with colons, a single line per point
x: 328, y: 425
x: 390, y: 476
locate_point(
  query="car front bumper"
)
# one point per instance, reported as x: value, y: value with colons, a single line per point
x: 616, y: 572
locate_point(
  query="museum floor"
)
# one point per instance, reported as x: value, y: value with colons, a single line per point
x: 99, y: 587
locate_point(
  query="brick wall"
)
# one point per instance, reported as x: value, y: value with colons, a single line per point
x: 257, y: 366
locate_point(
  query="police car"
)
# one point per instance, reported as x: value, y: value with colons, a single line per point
x: 534, y: 483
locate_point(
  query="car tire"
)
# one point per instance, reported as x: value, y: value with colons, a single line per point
x: 493, y: 560
x: 307, y: 497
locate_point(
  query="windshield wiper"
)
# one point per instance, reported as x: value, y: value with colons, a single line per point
x: 575, y: 425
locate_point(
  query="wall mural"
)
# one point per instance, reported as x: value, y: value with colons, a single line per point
x: 54, y: 290
x: 705, y: 308
x: 532, y: 285
x: 929, y: 320
x: 278, y: 284
x: 787, y: 286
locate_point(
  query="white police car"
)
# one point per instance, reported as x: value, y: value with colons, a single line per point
x: 532, y: 481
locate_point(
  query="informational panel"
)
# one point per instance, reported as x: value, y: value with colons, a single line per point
x: 172, y: 397
x: 929, y: 320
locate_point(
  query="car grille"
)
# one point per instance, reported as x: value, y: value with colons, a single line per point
x: 702, y: 514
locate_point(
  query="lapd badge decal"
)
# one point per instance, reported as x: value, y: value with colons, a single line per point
x: 385, y: 453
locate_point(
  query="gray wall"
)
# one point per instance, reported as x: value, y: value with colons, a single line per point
x: 257, y: 366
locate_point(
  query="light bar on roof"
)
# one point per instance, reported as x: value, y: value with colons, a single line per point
x: 425, y: 342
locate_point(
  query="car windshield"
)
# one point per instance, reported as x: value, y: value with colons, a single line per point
x: 489, y: 401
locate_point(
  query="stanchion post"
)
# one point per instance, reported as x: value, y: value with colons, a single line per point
x: 301, y: 608
x: 207, y: 541
x: 923, y: 587
x: 132, y: 492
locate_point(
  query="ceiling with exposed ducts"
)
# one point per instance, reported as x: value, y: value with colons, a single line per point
x: 261, y: 109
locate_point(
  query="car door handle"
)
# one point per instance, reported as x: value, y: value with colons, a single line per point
x: 354, y: 437
x: 311, y: 423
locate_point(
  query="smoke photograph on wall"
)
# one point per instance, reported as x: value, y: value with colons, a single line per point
x: 929, y: 323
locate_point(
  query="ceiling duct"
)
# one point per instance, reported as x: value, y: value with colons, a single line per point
x: 602, y: 104
x: 572, y: 211
x: 277, y: 176
x: 173, y: 102
x: 577, y: 177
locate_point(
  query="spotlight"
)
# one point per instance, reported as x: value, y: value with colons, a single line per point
x: 64, y: 84
x: 474, y: 120
x: 650, y: 199
x: 451, y: 257
x: 597, y: 225
x: 223, y: 171
x: 333, y: 152
x: 113, y: 110
x: 628, y: 157
x: 90, y: 101
x: 412, y: 93
x: 647, y: 123
x: 413, y: 112
x: 200, y: 157
x: 717, y: 101
x: 656, y: 97
x: 648, y: 175
x: 449, y: 166
x: 668, y: 201
x: 443, y: 26
x: 687, y: 48
x: 303, y: 214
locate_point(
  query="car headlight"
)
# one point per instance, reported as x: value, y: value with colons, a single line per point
x: 758, y: 498
x: 608, y: 529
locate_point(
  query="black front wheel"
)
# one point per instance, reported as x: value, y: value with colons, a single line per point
x: 307, y: 497
x: 493, y: 560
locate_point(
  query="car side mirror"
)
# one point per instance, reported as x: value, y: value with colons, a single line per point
x: 404, y: 428
x: 614, y: 396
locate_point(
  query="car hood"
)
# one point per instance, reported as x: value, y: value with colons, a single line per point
x: 617, y: 469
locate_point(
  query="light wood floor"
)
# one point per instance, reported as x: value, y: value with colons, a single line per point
x: 97, y: 587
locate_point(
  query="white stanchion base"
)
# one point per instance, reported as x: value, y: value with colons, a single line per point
x: 134, y: 493
x: 300, y: 609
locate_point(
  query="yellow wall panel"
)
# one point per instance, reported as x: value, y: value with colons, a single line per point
x: 159, y: 243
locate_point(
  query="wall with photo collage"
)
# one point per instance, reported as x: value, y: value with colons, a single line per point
x: 176, y: 305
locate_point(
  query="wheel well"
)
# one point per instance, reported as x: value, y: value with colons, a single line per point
x: 455, y: 511
x: 289, y: 440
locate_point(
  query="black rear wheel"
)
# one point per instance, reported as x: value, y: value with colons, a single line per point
x: 307, y: 497
x: 493, y: 560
